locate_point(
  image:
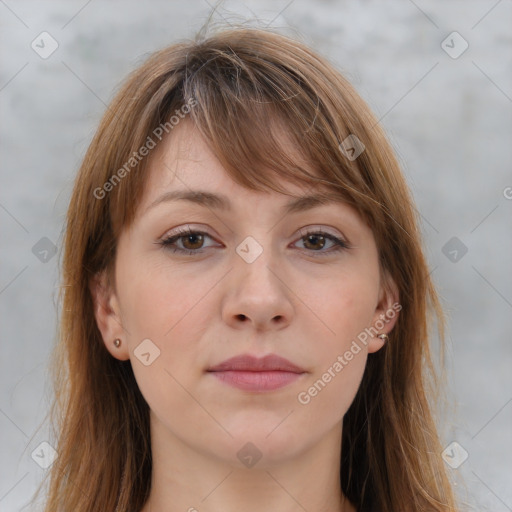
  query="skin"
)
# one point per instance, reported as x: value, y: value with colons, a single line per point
x: 296, y: 303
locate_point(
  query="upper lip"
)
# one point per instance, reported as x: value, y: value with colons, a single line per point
x: 246, y: 362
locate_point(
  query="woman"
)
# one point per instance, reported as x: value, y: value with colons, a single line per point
x: 244, y: 321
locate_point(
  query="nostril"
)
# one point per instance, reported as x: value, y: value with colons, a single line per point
x: 241, y: 317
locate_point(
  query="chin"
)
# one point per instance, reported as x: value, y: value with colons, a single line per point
x: 271, y: 445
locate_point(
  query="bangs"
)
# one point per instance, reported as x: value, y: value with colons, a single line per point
x: 246, y: 121
x: 265, y: 124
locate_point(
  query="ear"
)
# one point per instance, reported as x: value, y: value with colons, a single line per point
x: 386, y: 312
x: 107, y: 315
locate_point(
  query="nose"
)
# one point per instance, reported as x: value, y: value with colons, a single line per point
x: 257, y: 297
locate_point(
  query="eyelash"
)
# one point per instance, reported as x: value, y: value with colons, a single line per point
x: 167, y: 243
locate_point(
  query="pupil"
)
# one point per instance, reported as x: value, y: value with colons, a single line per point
x: 192, y: 237
x: 315, y: 237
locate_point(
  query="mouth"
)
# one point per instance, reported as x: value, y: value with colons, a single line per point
x: 249, y: 373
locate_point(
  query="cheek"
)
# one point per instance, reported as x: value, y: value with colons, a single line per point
x: 173, y: 310
x: 158, y: 302
x: 344, y: 310
x: 342, y: 307
x: 174, y: 315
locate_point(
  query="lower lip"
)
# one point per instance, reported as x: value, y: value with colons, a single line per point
x: 257, y: 381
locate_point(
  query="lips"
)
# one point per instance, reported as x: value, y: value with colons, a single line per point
x: 257, y: 374
x: 248, y: 363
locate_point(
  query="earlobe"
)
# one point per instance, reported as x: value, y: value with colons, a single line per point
x: 106, y: 313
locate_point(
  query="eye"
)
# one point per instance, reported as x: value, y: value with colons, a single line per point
x: 186, y: 241
x: 317, y: 240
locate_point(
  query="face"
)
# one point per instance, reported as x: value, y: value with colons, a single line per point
x: 199, y: 283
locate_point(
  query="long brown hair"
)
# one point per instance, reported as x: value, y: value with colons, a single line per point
x: 237, y: 81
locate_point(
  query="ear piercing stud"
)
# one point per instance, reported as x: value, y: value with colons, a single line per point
x: 117, y: 342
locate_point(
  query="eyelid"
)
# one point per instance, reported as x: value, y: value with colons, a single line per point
x: 316, y: 228
x: 185, y: 230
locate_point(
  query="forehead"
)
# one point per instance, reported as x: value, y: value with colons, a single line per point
x: 183, y: 160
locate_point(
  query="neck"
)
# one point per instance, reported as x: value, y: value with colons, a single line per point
x: 185, y: 480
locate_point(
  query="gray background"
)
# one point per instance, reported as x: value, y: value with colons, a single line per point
x: 448, y: 118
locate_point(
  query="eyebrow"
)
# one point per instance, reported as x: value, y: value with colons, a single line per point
x: 222, y: 202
